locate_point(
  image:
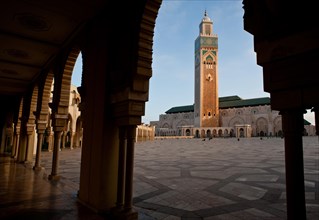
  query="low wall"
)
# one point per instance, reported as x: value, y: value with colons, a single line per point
x: 173, y: 137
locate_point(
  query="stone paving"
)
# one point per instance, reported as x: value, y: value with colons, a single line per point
x: 211, y: 179
x: 219, y: 179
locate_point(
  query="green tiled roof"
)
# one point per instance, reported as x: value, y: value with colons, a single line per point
x: 180, y: 109
x: 305, y: 122
x: 244, y: 102
x: 229, y: 98
x: 225, y: 102
x: 228, y: 102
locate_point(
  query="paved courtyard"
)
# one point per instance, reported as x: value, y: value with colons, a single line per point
x: 187, y: 179
x: 211, y: 179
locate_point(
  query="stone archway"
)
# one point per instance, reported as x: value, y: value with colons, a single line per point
x: 236, y: 121
x: 278, y: 126
x: 261, y: 126
x: 241, y: 132
x: 28, y: 126
x: 208, y: 133
x: 197, y: 135
x: 220, y: 133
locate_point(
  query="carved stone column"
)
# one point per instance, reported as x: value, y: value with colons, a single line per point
x: 15, y: 148
x: 124, y: 203
x: 121, y: 168
x: 49, y: 138
x: 30, y: 142
x: 292, y: 122
x: 59, y: 122
x: 55, y: 158
x: 22, y: 141
x: 72, y: 137
x: 128, y: 202
x: 41, y: 126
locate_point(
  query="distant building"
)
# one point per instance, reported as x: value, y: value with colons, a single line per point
x: 145, y: 133
x: 214, y: 116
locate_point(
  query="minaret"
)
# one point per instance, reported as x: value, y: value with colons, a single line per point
x: 206, y: 109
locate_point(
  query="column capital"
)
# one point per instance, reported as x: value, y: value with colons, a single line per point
x: 30, y: 128
x: 128, y: 112
x: 9, y: 131
x: 17, y: 130
x: 59, y: 121
x: 41, y: 126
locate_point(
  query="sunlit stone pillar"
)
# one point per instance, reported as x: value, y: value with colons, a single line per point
x: 49, y: 138
x: 30, y: 142
x: 41, y: 126
x: 292, y: 123
x: 38, y: 154
x: 59, y: 121
x: 55, y: 157
x: 72, y: 138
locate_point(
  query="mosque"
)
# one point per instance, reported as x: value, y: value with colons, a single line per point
x: 214, y: 116
x: 40, y: 43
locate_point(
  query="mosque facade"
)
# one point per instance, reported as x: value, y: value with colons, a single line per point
x: 214, y: 116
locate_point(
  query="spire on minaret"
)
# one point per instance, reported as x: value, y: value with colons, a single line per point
x: 206, y: 18
x: 206, y: 26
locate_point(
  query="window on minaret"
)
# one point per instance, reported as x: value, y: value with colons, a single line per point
x: 207, y: 29
x: 209, y: 63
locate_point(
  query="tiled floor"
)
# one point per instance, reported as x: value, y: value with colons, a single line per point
x: 174, y: 179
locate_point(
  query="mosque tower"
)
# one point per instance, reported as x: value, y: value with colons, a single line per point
x: 206, y: 109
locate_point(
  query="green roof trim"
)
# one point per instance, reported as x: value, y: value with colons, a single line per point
x: 244, y: 103
x: 180, y: 109
x: 229, y: 98
x: 225, y: 102
x: 305, y: 122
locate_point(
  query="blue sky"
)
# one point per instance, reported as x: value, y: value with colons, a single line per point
x: 177, y: 27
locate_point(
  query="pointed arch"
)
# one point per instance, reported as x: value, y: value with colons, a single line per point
x: 165, y: 125
x: 46, y: 94
x: 67, y: 76
x: 235, y: 121
x: 277, y: 126
x: 20, y: 111
x: 33, y: 105
x: 145, y: 47
x: 261, y: 126
x: 181, y: 123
